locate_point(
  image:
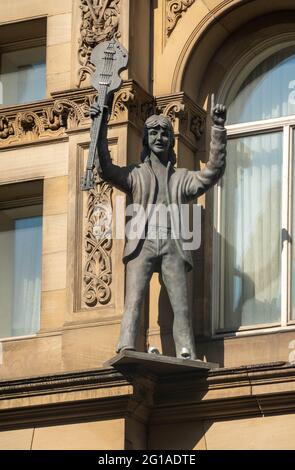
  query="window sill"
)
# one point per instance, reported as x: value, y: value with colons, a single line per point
x: 254, y: 332
x: 17, y: 338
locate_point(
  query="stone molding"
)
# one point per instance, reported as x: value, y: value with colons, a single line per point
x: 46, y: 119
x: 188, y: 119
x: 256, y: 390
x: 132, y: 103
x: 174, y: 11
x: 99, y: 22
x: 69, y: 111
x: 55, y: 394
x: 67, y: 381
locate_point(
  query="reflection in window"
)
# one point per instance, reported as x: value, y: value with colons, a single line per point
x: 250, y: 231
x: 23, y: 76
x: 20, y: 270
x: 269, y: 90
x: 293, y: 231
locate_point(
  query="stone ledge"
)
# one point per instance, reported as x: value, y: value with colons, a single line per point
x: 105, y: 393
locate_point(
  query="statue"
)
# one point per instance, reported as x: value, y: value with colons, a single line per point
x: 156, y: 181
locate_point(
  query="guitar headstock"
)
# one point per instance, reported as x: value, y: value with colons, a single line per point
x: 109, y: 58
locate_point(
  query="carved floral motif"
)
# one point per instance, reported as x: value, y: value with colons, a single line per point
x: 197, y: 126
x: 97, y: 273
x: 51, y: 118
x: 187, y: 118
x: 132, y: 103
x: 175, y: 10
x: 100, y: 22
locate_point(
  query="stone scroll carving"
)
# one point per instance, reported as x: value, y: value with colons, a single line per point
x: 66, y: 111
x: 46, y: 119
x: 174, y: 11
x: 97, y: 273
x: 187, y: 118
x: 132, y: 103
x: 100, y: 22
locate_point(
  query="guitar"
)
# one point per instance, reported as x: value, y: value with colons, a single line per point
x: 109, y: 58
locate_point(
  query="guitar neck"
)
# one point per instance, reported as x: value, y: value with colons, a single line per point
x: 96, y: 125
x: 110, y: 58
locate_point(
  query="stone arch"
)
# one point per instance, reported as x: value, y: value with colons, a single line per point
x: 218, y: 47
x: 229, y: 30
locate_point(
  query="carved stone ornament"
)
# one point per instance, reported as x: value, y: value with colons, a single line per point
x: 174, y: 11
x: 100, y: 22
x: 187, y: 118
x: 45, y: 119
x: 132, y: 103
x: 69, y: 111
x: 97, y: 273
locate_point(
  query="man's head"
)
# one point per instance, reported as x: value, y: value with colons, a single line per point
x: 158, y: 137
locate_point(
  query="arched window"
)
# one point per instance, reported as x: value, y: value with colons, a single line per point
x: 256, y: 197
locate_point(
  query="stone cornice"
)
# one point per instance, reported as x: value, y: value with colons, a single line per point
x: 227, y: 393
x: 105, y: 393
x: 63, y: 398
x: 68, y: 111
x: 98, y: 378
x: 46, y: 119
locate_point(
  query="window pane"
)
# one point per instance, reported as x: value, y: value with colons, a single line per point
x: 23, y: 75
x: 251, y: 221
x: 20, y: 270
x: 293, y: 235
x: 268, y: 91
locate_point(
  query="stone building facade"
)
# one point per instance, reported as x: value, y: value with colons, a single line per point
x: 55, y: 392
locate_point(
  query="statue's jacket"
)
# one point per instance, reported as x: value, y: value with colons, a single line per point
x: 182, y: 186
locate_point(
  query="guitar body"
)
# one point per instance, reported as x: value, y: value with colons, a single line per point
x: 109, y: 51
x: 109, y: 58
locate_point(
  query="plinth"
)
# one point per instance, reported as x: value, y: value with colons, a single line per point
x: 156, y: 364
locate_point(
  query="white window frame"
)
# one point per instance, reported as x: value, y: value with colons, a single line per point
x: 24, y: 201
x: 286, y: 125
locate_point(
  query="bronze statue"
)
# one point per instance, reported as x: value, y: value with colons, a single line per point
x: 152, y: 184
x: 155, y: 181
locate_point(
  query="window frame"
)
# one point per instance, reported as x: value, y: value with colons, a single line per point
x: 27, y: 34
x: 31, y: 194
x: 286, y: 125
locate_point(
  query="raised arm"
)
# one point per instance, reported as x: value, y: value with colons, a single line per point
x: 198, y: 182
x: 119, y: 176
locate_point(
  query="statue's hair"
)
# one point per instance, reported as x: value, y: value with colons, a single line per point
x: 164, y: 122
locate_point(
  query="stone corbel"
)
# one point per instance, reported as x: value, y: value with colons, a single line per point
x: 187, y: 118
x: 131, y: 103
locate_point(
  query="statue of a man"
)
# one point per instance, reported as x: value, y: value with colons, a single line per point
x: 155, y: 181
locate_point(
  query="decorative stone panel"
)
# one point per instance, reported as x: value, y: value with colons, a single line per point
x: 45, y: 119
x: 174, y: 11
x: 100, y: 22
x: 188, y: 119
